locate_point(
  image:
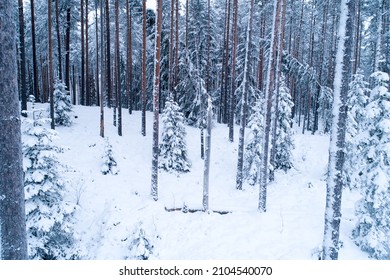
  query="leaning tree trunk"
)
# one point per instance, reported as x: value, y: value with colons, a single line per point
x: 12, y: 212
x: 156, y: 91
x: 335, y: 180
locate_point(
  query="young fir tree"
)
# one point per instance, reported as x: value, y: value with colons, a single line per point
x: 62, y: 105
x: 254, y: 144
x: 49, y: 216
x: 357, y: 100
x: 372, y: 232
x: 173, y: 149
x: 284, y: 140
x: 109, y: 163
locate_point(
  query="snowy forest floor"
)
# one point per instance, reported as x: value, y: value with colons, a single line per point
x: 113, y: 207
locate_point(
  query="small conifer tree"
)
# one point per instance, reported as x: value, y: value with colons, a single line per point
x: 372, y: 232
x: 49, y: 216
x: 284, y: 134
x: 254, y: 143
x: 62, y: 105
x: 109, y: 163
x: 173, y: 149
x: 357, y: 100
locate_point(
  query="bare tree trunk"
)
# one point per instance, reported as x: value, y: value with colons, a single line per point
x: 156, y: 90
x: 87, y: 83
x: 82, y: 89
x: 176, y: 80
x: 34, y: 49
x: 224, y: 71
x: 129, y: 59
x: 144, y: 68
x: 101, y: 70
x: 51, y: 84
x: 58, y: 42
x: 171, y: 59
x: 244, y: 103
x: 12, y: 212
x: 206, y: 172
x: 270, y: 86
x: 22, y: 50
x: 97, y: 55
x: 108, y: 55
x: 233, y: 78
x: 67, y: 48
x: 335, y: 180
x: 276, y: 93
x: 117, y: 71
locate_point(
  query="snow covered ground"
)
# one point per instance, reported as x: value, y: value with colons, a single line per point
x: 114, y: 207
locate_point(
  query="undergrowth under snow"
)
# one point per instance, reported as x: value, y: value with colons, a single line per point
x: 118, y: 219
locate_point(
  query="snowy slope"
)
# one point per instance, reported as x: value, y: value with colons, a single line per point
x: 112, y: 207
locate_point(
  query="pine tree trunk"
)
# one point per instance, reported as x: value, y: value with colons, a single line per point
x: 144, y: 68
x: 129, y: 59
x: 87, y: 74
x: 12, y: 210
x: 276, y: 94
x: 171, y: 58
x: 97, y: 55
x: 176, y: 80
x: 34, y: 53
x: 233, y: 77
x: 224, y: 71
x: 117, y: 71
x: 58, y: 43
x: 108, y: 55
x: 101, y: 71
x: 156, y: 91
x: 264, y: 168
x: 82, y: 89
x: 67, y: 48
x: 244, y: 103
x: 206, y: 172
x: 335, y: 180
x: 50, y: 80
x: 22, y: 50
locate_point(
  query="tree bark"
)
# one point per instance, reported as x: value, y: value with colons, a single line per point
x: 144, y: 68
x: 87, y: 82
x: 156, y: 91
x: 22, y: 51
x: 34, y: 53
x: 82, y: 89
x: 12, y: 210
x: 67, y: 48
x: 58, y: 43
x: 108, y: 55
x: 101, y: 71
x: 233, y: 77
x: 264, y: 167
x: 335, y: 180
x: 244, y: 103
x: 206, y: 171
x: 117, y: 71
x: 129, y: 59
x: 50, y: 80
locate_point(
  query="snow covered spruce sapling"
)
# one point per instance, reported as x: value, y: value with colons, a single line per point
x: 356, y: 128
x: 62, y: 105
x: 284, y: 133
x: 173, y: 149
x: 49, y: 217
x: 109, y: 163
x: 372, y: 232
x: 254, y: 144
